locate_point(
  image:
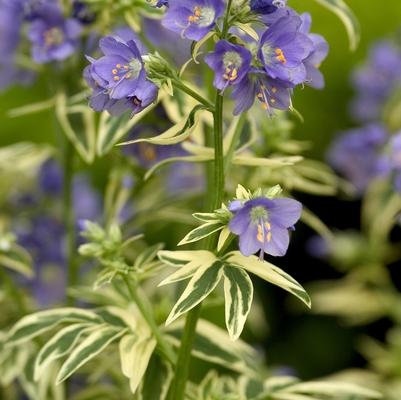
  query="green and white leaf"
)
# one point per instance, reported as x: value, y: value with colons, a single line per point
x: 17, y: 259
x: 93, y: 344
x: 35, y: 324
x: 135, y: 354
x: 238, y: 294
x: 224, y: 235
x: 201, y: 232
x: 157, y: 379
x: 180, y: 258
x: 58, y: 346
x: 351, y: 23
x: 270, y: 273
x: 210, y: 345
x: 199, y: 287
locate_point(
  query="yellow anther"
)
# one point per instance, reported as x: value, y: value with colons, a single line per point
x: 197, y: 11
x: 274, y: 90
x: 116, y: 78
x: 118, y: 66
x: 126, y: 67
x: 280, y: 56
x: 265, y: 106
x: 269, y: 236
x: 114, y: 71
x: 196, y: 15
x: 260, y: 95
x: 272, y: 100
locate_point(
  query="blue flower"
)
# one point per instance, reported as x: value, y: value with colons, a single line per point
x: 262, y: 224
x: 358, y: 155
x: 50, y: 178
x: 271, y: 93
x: 283, y: 50
x: 118, y: 79
x: 267, y: 6
x: 193, y: 19
x: 230, y: 62
x: 82, y: 12
x: 376, y: 81
x: 314, y: 77
x: 53, y: 37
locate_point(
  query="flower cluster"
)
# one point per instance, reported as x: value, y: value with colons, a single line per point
x: 373, y: 150
x: 376, y: 81
x: 263, y: 223
x: 118, y: 79
x: 286, y: 55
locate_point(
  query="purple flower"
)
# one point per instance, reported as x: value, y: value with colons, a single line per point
x: 314, y: 77
x: 53, y: 37
x: 357, y: 155
x: 263, y: 224
x: 82, y: 12
x: 118, y: 79
x: 51, y: 178
x: 376, y: 81
x: 267, y: 6
x: 230, y: 62
x: 193, y: 19
x: 284, y: 49
x: 162, y: 3
x: 271, y: 93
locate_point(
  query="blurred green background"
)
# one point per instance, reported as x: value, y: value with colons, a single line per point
x: 325, y: 112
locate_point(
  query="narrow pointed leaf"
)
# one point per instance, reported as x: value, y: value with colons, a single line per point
x: 238, y: 294
x: 201, y: 232
x: 94, y: 344
x: 199, y: 287
x: 270, y: 273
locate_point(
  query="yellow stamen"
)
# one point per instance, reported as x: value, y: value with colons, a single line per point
x: 118, y: 66
x: 114, y: 71
x: 274, y: 90
x: 116, y: 78
x: 280, y: 56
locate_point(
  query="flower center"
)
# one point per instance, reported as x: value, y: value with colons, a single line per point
x: 127, y: 71
x: 202, y: 16
x: 279, y: 3
x: 53, y: 37
x: 231, y: 61
x: 258, y: 213
x: 269, y: 54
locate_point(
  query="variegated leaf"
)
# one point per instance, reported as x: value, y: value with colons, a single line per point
x: 180, y: 258
x: 157, y: 379
x: 35, y: 324
x: 210, y: 344
x: 201, y: 232
x: 135, y: 353
x: 238, y: 294
x: 199, y: 287
x: 58, y: 346
x: 270, y: 273
x: 93, y: 344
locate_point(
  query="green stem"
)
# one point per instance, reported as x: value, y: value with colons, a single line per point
x: 177, y: 391
x: 145, y: 311
x: 69, y: 216
x: 181, y: 86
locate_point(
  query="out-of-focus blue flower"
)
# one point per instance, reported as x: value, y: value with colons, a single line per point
x: 283, y: 50
x: 11, y: 17
x: 318, y: 247
x: 314, y: 77
x: 53, y: 37
x: 50, y: 178
x: 262, y: 224
x: 271, y: 93
x: 193, y: 19
x: 358, y: 155
x: 376, y: 80
x: 162, y: 3
x: 267, y: 6
x: 82, y: 12
x: 118, y: 79
x: 86, y: 201
x: 230, y: 63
